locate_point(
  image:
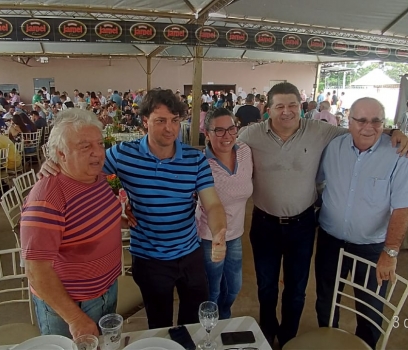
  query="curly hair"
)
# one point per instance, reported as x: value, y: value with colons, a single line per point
x: 157, y: 97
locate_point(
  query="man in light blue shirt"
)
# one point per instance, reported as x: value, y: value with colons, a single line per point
x: 364, y: 211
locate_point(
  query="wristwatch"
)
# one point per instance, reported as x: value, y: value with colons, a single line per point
x: 391, y: 252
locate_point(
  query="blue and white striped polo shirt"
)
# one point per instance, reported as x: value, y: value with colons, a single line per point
x: 161, y: 195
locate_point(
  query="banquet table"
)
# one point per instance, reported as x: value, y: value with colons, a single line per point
x: 197, y: 332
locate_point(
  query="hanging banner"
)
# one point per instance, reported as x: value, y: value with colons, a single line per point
x: 92, y: 31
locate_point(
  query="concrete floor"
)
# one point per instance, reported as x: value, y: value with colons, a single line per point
x: 246, y: 303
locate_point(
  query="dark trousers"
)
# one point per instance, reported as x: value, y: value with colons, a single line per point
x: 157, y: 279
x: 272, y: 241
x: 327, y: 255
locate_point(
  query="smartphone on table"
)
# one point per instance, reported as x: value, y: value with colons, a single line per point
x: 236, y: 338
x: 181, y: 335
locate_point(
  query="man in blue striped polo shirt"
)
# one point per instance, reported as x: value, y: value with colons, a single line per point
x: 160, y: 175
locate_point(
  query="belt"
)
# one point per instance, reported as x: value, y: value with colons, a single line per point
x: 286, y: 220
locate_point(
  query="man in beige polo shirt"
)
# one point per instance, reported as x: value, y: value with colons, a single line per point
x: 286, y: 152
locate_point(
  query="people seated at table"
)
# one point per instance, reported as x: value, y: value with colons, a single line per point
x: 104, y: 117
x: 80, y: 101
x: 70, y: 232
x: 231, y: 165
x: 17, y: 127
x: 129, y: 119
x: 14, y: 158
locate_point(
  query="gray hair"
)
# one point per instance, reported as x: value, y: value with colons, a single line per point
x: 216, y: 113
x: 367, y: 99
x: 67, y: 124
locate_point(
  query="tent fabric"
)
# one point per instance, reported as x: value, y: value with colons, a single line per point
x: 375, y: 78
x: 348, y: 19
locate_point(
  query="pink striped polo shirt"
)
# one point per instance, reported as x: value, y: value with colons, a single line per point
x: 76, y: 226
x: 234, y: 189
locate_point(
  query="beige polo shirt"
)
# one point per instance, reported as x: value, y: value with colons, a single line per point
x: 285, y: 172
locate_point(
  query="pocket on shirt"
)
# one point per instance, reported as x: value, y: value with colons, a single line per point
x: 376, y: 190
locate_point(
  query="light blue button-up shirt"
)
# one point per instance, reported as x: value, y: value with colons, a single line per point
x: 361, y: 189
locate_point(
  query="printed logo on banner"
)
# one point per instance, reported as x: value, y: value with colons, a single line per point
x: 142, y: 31
x: 207, y: 34
x: 72, y: 29
x: 316, y: 44
x: 35, y: 28
x: 291, y: 41
x: 340, y: 46
x: 362, y: 49
x: 382, y: 51
x: 175, y: 33
x: 5, y: 28
x: 265, y: 39
x: 237, y: 37
x: 108, y: 30
x: 401, y: 53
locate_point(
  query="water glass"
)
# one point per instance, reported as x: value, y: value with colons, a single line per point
x: 208, y: 315
x: 86, y: 342
x: 111, y: 327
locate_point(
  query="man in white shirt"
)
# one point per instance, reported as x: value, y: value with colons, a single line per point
x: 102, y: 99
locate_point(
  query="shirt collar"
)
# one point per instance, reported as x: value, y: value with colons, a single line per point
x: 144, y: 147
x: 210, y: 154
x: 371, y: 149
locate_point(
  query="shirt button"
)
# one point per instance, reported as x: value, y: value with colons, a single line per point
x: 359, y: 159
x: 355, y: 174
x: 352, y: 190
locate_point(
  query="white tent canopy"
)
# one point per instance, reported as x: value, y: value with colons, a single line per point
x: 375, y: 78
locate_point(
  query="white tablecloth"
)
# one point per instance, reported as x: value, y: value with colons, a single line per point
x: 197, y: 332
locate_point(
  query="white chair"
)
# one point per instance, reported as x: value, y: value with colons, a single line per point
x: 31, y: 145
x: 14, y: 289
x: 24, y: 183
x: 4, y: 177
x: 44, y: 149
x: 18, y: 149
x: 11, y: 203
x: 46, y: 133
x: 333, y: 338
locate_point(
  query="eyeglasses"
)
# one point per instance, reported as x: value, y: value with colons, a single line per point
x: 220, y: 132
x: 375, y: 123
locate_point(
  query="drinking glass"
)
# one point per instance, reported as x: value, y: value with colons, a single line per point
x: 86, y: 342
x: 208, y: 315
x: 111, y: 327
